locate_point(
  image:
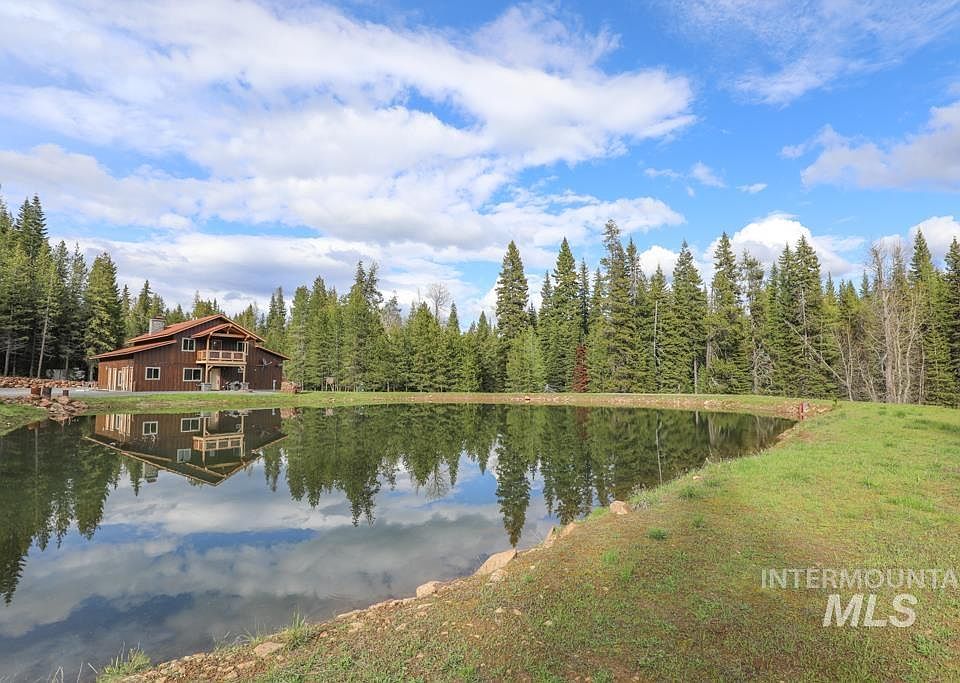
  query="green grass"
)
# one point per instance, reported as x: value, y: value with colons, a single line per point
x: 134, y: 661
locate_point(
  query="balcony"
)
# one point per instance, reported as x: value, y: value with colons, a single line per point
x: 220, y: 357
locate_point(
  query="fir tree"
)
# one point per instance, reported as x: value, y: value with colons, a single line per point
x: 104, y: 331
x: 952, y: 306
x: 512, y: 315
x: 684, y: 350
x: 937, y: 380
x: 728, y: 352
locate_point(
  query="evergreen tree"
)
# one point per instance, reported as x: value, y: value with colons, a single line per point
x: 952, y: 306
x: 275, y: 336
x: 684, y: 349
x: 728, y: 351
x: 101, y: 301
x: 512, y: 316
x: 561, y: 322
x: 937, y: 380
x: 525, y: 370
x: 297, y: 338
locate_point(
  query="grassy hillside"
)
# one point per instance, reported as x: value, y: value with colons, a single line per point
x: 673, y: 589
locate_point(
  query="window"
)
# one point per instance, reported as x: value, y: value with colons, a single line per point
x: 188, y: 344
x: 190, y: 424
x: 192, y: 374
x: 183, y: 454
x: 153, y: 373
x: 151, y: 428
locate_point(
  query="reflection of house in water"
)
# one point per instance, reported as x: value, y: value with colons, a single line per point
x: 204, y: 447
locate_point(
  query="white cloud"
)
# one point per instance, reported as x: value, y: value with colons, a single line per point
x: 364, y: 133
x: 766, y: 238
x: 939, y: 232
x: 705, y: 175
x: 699, y: 172
x: 656, y: 255
x: 929, y: 158
x: 793, y: 48
x: 753, y: 188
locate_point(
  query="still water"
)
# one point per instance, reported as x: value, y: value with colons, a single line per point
x: 178, y: 532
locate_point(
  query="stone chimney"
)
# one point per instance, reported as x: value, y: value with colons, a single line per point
x: 157, y: 325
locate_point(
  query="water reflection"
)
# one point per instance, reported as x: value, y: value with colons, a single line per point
x: 176, y: 530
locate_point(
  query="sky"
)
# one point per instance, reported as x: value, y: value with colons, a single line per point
x: 230, y: 147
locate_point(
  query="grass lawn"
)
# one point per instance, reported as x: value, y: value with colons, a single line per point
x: 673, y: 589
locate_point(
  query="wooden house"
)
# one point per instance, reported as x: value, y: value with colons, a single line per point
x: 211, y: 353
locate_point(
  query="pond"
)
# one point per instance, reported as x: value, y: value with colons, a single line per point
x: 176, y: 533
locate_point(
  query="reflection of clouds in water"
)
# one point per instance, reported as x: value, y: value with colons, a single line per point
x: 244, y: 503
x: 228, y: 553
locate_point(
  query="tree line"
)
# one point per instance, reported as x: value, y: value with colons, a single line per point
x: 894, y: 336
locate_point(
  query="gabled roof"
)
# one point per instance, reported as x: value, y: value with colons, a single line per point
x: 129, y: 350
x: 227, y: 325
x: 177, y: 328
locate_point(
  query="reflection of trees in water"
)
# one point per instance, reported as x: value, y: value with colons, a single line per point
x: 52, y: 478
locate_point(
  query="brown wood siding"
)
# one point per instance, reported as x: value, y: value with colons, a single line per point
x: 263, y: 371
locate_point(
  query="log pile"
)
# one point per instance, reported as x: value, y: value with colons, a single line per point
x: 30, y: 382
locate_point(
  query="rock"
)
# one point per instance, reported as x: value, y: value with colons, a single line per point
x: 229, y: 676
x: 350, y: 614
x: 497, y: 576
x: 429, y: 588
x: 618, y: 507
x: 355, y: 626
x: 243, y: 666
x: 266, y: 649
x: 499, y: 610
x: 569, y: 529
x: 496, y: 561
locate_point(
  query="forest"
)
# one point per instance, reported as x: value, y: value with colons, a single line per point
x: 792, y: 330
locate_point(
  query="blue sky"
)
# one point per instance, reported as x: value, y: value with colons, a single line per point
x: 229, y: 147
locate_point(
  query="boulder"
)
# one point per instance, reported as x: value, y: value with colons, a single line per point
x: 497, y: 576
x: 618, y: 507
x: 429, y: 588
x: 496, y: 561
x: 266, y: 649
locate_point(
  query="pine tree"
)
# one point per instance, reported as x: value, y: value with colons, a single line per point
x: 728, y: 360
x: 685, y: 341
x: 525, y: 370
x: 620, y: 322
x: 936, y: 377
x: 276, y: 322
x: 564, y: 328
x: 297, y: 337
x: 951, y: 306
x: 661, y: 328
x: 757, y: 297
x: 101, y: 301
x: 598, y: 349
x: 512, y: 316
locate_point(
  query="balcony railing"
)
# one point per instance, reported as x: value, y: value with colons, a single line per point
x: 217, y: 442
x: 223, y: 357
